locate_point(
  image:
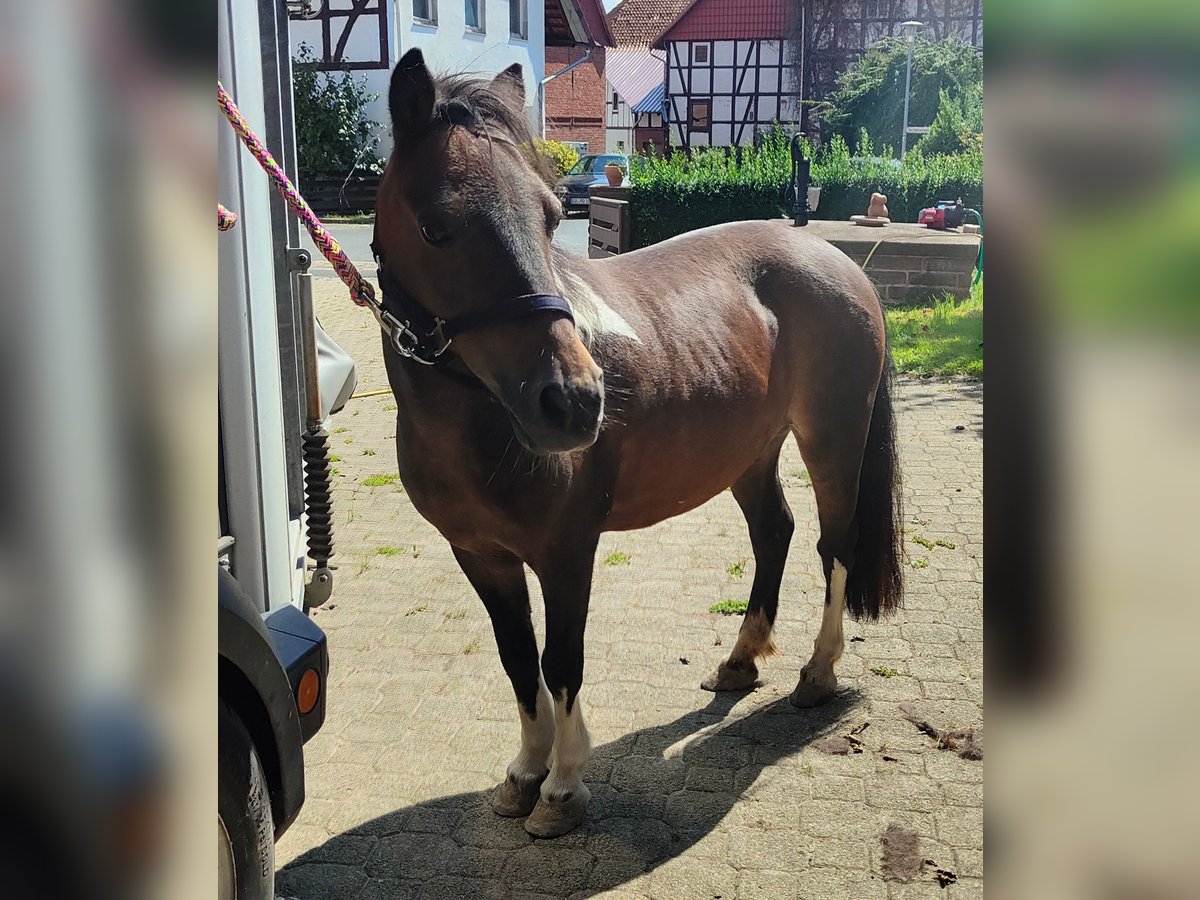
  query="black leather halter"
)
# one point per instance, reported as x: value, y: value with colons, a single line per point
x: 417, y: 334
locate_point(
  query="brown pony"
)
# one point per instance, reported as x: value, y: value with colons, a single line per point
x: 545, y: 399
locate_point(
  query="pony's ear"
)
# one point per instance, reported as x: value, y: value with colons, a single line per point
x: 410, y: 97
x: 512, y: 82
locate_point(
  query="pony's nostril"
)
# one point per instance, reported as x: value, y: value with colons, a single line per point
x: 556, y: 405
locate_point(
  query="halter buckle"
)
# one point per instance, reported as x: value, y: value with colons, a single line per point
x: 408, y: 343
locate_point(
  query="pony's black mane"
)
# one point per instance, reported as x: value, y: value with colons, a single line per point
x: 474, y: 103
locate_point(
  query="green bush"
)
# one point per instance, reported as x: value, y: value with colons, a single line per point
x: 681, y: 192
x: 870, y: 93
x: 334, y: 137
x: 560, y: 155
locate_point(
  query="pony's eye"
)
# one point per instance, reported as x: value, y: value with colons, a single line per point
x: 435, y: 235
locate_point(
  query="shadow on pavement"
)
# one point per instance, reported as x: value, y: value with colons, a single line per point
x: 655, y: 794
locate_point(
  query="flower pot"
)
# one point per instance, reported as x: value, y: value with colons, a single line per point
x: 614, y: 174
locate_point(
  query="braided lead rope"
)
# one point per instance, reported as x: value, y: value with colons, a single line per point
x: 225, y: 218
x: 361, y: 291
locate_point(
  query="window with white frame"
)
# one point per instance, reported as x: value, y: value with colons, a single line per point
x: 425, y: 11
x: 474, y: 11
x: 518, y: 19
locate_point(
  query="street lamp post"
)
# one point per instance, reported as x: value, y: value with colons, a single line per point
x: 909, y: 30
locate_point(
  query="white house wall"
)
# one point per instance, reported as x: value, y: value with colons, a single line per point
x: 748, y: 84
x: 448, y: 48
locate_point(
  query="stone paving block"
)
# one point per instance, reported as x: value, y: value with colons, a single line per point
x: 755, y: 884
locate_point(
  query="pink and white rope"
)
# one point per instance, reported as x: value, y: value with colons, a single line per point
x: 361, y: 291
x: 225, y: 218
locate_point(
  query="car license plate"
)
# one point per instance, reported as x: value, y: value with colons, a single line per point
x: 579, y: 201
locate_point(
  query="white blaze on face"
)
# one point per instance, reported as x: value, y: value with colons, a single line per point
x: 592, y: 315
x: 827, y: 649
x: 572, y: 749
x: 537, y: 739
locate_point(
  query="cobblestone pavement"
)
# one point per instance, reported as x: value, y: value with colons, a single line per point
x: 695, y: 795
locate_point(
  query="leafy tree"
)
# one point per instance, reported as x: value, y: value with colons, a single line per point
x: 334, y: 137
x: 870, y: 94
x: 958, y: 127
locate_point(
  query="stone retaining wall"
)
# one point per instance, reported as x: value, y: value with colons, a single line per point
x: 908, y: 263
x: 912, y: 263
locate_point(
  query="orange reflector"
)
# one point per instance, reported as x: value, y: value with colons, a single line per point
x: 308, y: 691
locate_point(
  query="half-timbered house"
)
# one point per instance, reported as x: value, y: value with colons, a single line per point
x: 637, y: 73
x: 729, y: 72
x: 367, y: 37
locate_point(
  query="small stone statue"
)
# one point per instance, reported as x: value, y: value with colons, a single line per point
x: 878, y: 207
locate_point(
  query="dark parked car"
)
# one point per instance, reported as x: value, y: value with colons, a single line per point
x: 572, y: 188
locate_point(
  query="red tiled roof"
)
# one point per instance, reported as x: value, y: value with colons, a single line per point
x: 596, y: 22
x: 590, y: 13
x: 636, y: 23
x: 704, y: 20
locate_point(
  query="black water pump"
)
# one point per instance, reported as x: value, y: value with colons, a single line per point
x: 801, y: 174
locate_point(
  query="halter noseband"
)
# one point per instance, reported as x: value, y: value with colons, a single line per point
x: 417, y: 334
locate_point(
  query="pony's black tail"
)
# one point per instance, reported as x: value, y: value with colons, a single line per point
x: 875, y: 583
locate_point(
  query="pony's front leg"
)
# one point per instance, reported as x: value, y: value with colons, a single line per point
x: 499, y: 579
x: 566, y: 585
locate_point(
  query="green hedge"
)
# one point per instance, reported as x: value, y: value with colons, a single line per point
x: 682, y: 192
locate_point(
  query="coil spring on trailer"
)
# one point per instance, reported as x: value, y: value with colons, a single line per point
x: 318, y: 497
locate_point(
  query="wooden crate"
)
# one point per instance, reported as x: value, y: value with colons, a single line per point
x: 608, y: 230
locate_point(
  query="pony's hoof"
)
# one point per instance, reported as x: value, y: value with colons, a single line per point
x: 551, y: 819
x: 731, y: 677
x: 512, y: 800
x: 808, y: 694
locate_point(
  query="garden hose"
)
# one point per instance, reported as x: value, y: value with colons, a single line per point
x: 979, y: 260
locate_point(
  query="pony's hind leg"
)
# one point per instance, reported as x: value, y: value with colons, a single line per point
x: 833, y: 470
x: 760, y: 495
x: 499, y: 579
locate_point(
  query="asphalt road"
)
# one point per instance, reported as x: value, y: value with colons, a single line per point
x: 356, y: 239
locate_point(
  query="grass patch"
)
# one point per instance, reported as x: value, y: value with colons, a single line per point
x: 333, y: 457
x: 367, y: 451
x: 949, y: 545
x: 471, y: 647
x: 381, y: 480
x: 923, y: 541
x: 884, y: 672
x: 417, y: 609
x: 340, y: 429
x: 389, y: 407
x: 461, y: 614
x: 730, y: 607
x: 617, y: 558
x: 946, y: 339
x: 920, y: 563
x: 351, y: 219
x: 803, y: 477
x: 737, y: 569
x: 389, y: 551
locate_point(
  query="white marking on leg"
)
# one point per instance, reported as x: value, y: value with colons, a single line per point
x: 572, y: 749
x: 537, y: 739
x: 827, y: 648
x: 592, y: 315
x: 754, y: 639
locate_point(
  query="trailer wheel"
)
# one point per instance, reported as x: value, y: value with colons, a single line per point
x: 246, y: 830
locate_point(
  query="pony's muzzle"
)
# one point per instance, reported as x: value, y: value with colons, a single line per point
x: 567, y: 414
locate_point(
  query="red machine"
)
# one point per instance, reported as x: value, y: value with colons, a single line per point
x: 943, y: 215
